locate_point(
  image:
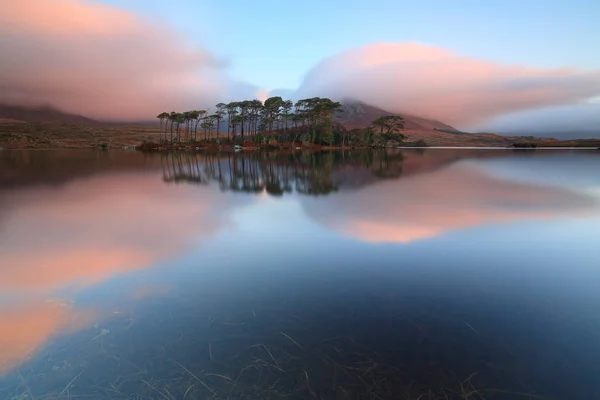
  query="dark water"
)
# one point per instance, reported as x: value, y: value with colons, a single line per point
x: 437, y: 274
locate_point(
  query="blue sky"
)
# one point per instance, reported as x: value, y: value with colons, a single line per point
x: 273, y: 43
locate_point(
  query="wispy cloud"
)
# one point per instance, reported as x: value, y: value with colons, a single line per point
x: 436, y: 83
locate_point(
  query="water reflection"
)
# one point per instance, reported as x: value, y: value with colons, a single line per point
x: 87, y: 231
x: 450, y: 196
x: 129, y: 275
x: 25, y: 327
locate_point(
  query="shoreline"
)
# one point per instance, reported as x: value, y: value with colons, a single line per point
x: 254, y: 149
x: 44, y: 136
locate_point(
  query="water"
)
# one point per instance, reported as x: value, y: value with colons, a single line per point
x: 423, y: 274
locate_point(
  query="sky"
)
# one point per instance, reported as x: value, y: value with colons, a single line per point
x: 501, y: 65
x: 273, y: 43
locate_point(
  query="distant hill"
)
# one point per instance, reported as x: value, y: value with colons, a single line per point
x: 581, y: 134
x: 40, y: 114
x: 356, y: 114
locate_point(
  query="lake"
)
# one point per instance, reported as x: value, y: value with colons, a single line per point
x: 406, y: 274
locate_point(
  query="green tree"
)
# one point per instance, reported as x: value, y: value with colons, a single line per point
x: 212, y: 119
x: 256, y: 108
x: 206, y: 126
x: 244, y: 110
x: 231, y: 115
x: 163, y: 116
x: 192, y: 116
x: 219, y: 114
x: 286, y: 107
x: 186, y: 122
x: 389, y: 124
x: 199, y: 118
x: 327, y: 134
x: 179, y: 119
x: 368, y: 136
x: 272, y: 106
x: 173, y: 119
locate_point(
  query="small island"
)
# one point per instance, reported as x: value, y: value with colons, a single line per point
x: 251, y: 125
x: 275, y: 124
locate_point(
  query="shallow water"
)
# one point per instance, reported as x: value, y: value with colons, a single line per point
x: 444, y: 274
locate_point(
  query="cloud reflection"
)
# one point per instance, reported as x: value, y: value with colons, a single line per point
x: 81, y: 234
x: 25, y: 327
x: 89, y: 230
x: 434, y: 203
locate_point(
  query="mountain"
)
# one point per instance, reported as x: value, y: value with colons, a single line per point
x: 40, y: 114
x: 356, y: 115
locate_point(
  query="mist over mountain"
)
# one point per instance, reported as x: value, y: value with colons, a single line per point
x: 356, y: 114
x: 44, y: 113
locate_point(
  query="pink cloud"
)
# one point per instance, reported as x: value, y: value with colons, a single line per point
x: 100, y: 61
x: 436, y: 83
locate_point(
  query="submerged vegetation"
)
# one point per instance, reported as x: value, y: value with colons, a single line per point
x: 251, y: 319
x: 371, y: 346
x: 276, y: 123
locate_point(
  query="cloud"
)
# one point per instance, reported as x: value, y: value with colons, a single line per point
x: 568, y: 121
x: 107, y: 63
x: 103, y: 62
x: 436, y: 83
x: 436, y: 202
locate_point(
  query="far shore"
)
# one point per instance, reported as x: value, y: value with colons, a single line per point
x: 23, y: 135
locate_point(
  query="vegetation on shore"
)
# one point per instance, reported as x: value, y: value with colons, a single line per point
x: 308, y: 122
x: 525, y: 145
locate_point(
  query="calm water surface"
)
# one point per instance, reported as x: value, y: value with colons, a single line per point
x: 432, y: 274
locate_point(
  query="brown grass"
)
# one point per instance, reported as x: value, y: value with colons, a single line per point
x: 47, y: 135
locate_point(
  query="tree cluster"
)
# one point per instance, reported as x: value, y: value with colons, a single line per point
x: 308, y: 121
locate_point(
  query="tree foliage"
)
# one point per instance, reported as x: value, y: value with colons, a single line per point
x: 309, y: 121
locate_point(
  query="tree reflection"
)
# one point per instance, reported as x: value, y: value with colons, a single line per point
x: 309, y: 173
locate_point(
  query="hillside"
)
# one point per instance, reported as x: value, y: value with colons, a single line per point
x: 11, y: 113
x: 356, y: 114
